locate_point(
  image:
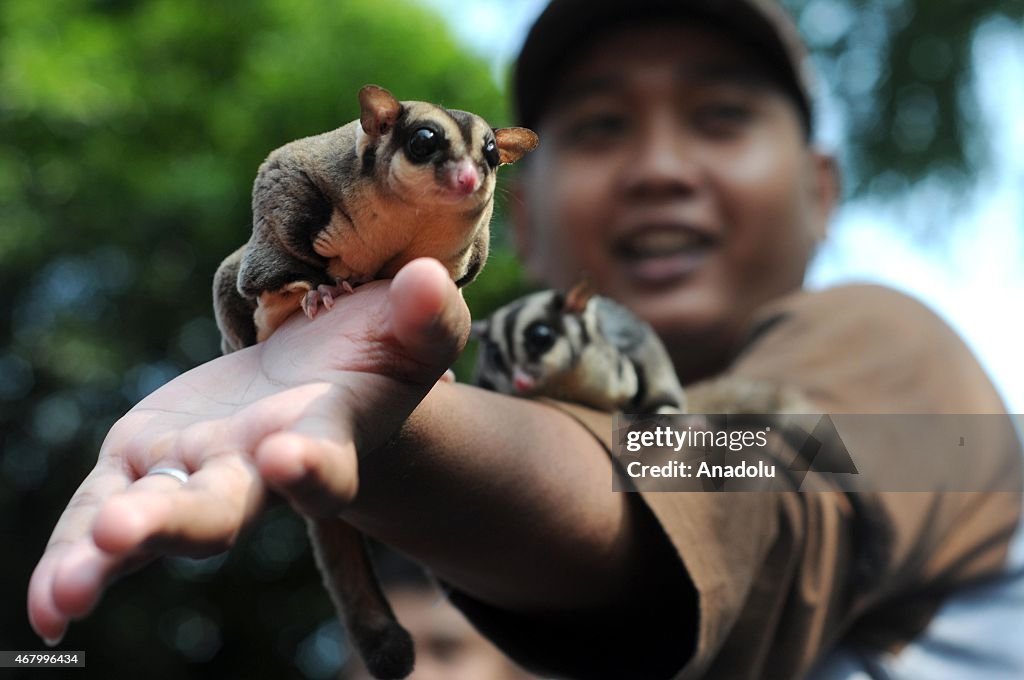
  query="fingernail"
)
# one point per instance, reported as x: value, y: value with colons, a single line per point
x: 53, y: 642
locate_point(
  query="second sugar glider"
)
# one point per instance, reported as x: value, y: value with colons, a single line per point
x: 577, y: 347
x: 587, y: 349
x: 406, y: 180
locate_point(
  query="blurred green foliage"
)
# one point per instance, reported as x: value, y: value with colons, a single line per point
x: 129, y: 136
x: 902, y: 72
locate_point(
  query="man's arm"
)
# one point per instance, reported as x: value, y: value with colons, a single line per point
x: 782, y: 577
x: 503, y: 498
x: 506, y: 498
x: 511, y: 505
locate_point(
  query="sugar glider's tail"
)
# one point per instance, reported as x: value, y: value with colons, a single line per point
x: 342, y: 555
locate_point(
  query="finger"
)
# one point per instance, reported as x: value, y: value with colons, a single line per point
x: 313, y: 463
x: 75, y: 523
x: 429, y: 318
x: 200, y: 518
x: 68, y: 584
x: 46, y: 615
x: 129, y: 526
x: 81, y: 577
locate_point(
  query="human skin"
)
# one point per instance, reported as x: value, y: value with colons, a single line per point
x: 525, y: 522
x: 220, y: 420
x: 663, y: 134
x: 447, y: 646
x: 291, y: 414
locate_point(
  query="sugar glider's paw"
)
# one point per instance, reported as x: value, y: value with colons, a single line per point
x: 274, y: 306
x: 325, y: 295
x: 321, y: 295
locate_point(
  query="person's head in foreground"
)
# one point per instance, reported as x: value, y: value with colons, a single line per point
x: 447, y: 646
x: 676, y: 168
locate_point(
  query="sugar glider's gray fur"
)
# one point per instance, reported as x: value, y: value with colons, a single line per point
x: 586, y: 349
x: 408, y: 179
x: 577, y: 347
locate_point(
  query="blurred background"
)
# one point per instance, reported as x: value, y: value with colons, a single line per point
x: 130, y: 133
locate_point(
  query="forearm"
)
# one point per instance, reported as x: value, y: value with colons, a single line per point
x: 507, y: 499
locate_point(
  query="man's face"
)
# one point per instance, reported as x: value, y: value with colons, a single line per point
x: 447, y: 645
x: 675, y: 175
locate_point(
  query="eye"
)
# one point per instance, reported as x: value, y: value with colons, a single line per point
x: 723, y: 119
x: 596, y: 129
x: 446, y: 649
x: 422, y: 144
x: 491, y: 153
x: 538, y: 338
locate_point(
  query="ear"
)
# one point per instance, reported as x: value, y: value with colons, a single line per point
x: 576, y: 299
x: 826, y: 186
x: 378, y: 110
x: 514, y: 143
x: 478, y: 329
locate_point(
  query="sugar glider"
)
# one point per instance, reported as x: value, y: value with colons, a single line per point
x: 406, y: 180
x: 578, y: 347
x: 587, y: 349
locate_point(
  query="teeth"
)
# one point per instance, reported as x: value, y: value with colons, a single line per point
x: 661, y: 242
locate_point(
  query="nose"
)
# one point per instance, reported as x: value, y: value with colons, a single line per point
x: 663, y: 164
x: 464, y: 178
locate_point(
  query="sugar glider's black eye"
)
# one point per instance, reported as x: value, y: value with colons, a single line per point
x: 538, y: 338
x: 491, y: 153
x: 422, y: 144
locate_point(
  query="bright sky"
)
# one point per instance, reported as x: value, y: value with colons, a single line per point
x: 971, y: 274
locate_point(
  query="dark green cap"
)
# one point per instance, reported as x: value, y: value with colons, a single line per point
x: 566, y: 26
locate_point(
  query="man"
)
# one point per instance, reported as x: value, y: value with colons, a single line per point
x: 675, y: 170
x: 447, y: 646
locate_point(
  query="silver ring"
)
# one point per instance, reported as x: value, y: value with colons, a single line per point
x: 180, y: 475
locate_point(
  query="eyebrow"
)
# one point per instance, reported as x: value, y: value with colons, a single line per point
x: 588, y: 88
x: 729, y: 74
x: 701, y: 74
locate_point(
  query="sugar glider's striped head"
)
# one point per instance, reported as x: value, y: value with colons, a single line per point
x: 424, y: 152
x: 534, y: 345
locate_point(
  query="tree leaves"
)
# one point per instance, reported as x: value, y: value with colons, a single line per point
x: 901, y: 70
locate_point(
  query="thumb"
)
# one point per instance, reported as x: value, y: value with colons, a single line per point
x: 429, y: 319
x: 314, y: 462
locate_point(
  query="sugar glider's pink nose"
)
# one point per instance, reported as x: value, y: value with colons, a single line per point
x: 464, y: 178
x: 523, y: 381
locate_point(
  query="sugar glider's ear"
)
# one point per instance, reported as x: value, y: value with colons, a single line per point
x: 576, y: 299
x: 378, y: 110
x: 514, y: 143
x: 478, y: 329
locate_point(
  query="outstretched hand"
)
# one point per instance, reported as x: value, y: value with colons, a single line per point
x: 290, y: 414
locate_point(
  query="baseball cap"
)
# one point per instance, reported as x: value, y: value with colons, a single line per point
x: 567, y: 25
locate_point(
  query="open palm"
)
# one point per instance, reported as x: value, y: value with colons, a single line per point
x: 290, y: 414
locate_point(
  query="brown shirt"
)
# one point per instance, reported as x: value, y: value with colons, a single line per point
x: 781, y: 578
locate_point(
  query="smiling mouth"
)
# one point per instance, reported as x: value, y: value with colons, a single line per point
x: 662, y: 254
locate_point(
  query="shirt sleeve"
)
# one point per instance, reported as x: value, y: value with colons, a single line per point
x: 781, y: 577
